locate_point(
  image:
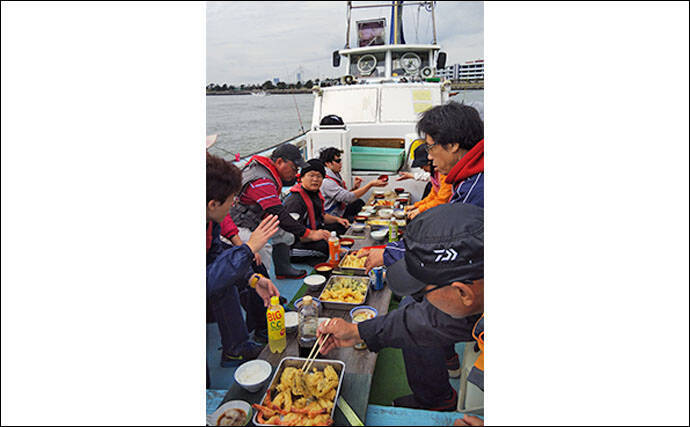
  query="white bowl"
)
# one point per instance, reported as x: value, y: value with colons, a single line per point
x: 400, y: 214
x: 365, y: 214
x: 253, y: 374
x: 379, y: 192
x: 233, y: 404
x: 370, y: 209
x: 385, y: 213
x: 314, y: 281
x: 358, y: 226
x: 379, y: 234
x: 291, y: 321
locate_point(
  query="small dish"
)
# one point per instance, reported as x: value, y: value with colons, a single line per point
x: 399, y: 190
x: 385, y: 213
x: 360, y: 218
x: 360, y: 314
x: 399, y: 214
x: 253, y: 374
x: 379, y: 234
x: 365, y: 214
x: 315, y: 281
x: 383, y: 178
x: 226, y: 409
x: 291, y: 321
x: 346, y: 243
x: 358, y: 227
x: 324, y: 269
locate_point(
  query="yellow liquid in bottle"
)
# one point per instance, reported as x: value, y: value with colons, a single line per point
x: 277, y: 339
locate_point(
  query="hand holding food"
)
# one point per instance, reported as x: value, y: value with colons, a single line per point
x: 374, y: 259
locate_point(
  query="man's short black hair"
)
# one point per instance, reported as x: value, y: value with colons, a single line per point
x: 452, y: 123
x: 329, y: 154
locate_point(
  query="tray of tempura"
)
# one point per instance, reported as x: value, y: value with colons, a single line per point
x: 350, y: 264
x: 294, y: 398
x: 344, y: 292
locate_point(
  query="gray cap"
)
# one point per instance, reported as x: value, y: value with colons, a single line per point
x: 289, y: 152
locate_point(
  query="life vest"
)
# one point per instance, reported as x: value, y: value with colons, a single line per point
x: 297, y: 188
x: 476, y: 375
x: 209, y: 235
x: 342, y: 205
x: 249, y: 216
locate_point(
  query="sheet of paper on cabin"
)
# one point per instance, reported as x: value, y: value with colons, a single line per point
x: 420, y: 107
x: 421, y: 95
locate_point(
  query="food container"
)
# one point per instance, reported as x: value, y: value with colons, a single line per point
x: 383, y: 178
x: 402, y: 201
x: 314, y: 282
x: 385, y: 213
x: 399, y: 190
x: 298, y: 362
x: 346, y: 243
x: 228, y: 407
x: 379, y: 234
x: 324, y: 269
x: 291, y: 321
x: 370, y: 209
x: 349, y: 270
x: 366, y: 214
x: 360, y: 218
x: 345, y: 305
x: 360, y: 314
x: 252, y: 375
x: 400, y: 214
x: 358, y: 227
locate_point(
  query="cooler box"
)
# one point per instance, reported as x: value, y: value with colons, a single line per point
x: 377, y: 159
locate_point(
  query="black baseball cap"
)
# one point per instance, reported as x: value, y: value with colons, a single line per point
x: 420, y: 157
x: 289, y: 152
x: 442, y: 245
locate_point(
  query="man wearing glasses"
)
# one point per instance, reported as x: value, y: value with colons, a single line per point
x: 262, y: 181
x: 443, y: 273
x: 339, y: 201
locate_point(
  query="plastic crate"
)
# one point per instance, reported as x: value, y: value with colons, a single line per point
x: 377, y: 159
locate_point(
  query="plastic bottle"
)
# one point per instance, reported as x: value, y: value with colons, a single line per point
x: 393, y: 230
x: 333, y: 249
x: 275, y: 316
x: 308, y: 323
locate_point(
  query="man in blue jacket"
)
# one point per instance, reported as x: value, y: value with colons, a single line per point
x: 229, y: 268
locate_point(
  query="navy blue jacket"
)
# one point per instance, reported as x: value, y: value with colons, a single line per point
x: 226, y: 265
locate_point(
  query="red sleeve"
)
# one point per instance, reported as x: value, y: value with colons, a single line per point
x: 228, y: 227
x: 263, y: 192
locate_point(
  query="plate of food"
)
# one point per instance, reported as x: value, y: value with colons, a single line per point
x: 344, y: 292
x: 297, y: 398
x: 350, y: 264
x: 232, y: 413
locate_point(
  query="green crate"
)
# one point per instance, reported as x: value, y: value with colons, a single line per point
x: 377, y: 159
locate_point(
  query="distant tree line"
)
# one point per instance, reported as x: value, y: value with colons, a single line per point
x: 268, y: 85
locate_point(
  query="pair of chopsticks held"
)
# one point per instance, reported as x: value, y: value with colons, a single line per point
x: 310, y: 359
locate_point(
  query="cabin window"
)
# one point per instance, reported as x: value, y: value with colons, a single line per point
x: 352, y: 103
x: 405, y: 104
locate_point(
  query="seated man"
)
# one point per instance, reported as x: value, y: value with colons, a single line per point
x: 443, y: 281
x: 229, y: 269
x: 338, y: 200
x: 305, y: 203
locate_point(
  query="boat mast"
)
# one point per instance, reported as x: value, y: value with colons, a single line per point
x: 347, y: 34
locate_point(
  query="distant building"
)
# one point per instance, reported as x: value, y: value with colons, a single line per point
x: 469, y: 71
x: 299, y: 77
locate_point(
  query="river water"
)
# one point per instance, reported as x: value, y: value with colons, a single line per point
x: 246, y: 123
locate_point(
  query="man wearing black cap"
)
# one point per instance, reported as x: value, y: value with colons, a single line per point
x: 443, y: 273
x: 305, y: 204
x: 262, y: 181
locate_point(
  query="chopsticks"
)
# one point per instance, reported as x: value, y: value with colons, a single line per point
x: 308, y: 362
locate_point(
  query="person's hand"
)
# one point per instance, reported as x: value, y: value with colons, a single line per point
x: 315, y: 235
x: 413, y: 213
x: 266, y: 289
x: 378, y: 183
x: 408, y: 208
x: 257, y: 258
x: 404, y: 175
x: 468, y: 420
x: 265, y: 230
x: 343, y: 334
x: 374, y: 258
x: 357, y: 183
x: 344, y: 222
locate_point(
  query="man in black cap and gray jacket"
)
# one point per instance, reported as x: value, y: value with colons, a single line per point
x: 443, y: 273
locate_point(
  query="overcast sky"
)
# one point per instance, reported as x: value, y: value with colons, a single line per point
x: 251, y: 42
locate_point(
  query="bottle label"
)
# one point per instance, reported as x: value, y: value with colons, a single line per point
x: 276, y: 324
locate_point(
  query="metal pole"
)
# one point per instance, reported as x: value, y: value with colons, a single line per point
x: 433, y: 21
x: 347, y: 34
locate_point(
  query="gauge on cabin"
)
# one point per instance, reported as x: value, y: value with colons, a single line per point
x: 411, y: 62
x: 366, y: 64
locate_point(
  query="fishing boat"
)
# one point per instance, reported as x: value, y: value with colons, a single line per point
x: 387, y: 85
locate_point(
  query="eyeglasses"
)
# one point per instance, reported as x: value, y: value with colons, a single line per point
x: 419, y: 295
x: 337, y: 160
x: 429, y: 147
